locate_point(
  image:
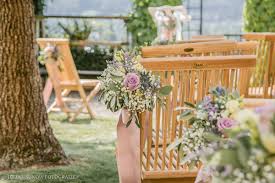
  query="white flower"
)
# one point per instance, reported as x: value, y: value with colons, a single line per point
x: 49, y: 48
x: 232, y: 106
x: 225, y: 114
x: 201, y: 115
x: 246, y: 115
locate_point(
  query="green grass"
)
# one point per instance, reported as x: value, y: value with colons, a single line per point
x: 91, y: 146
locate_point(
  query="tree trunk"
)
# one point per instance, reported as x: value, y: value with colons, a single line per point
x: 26, y: 137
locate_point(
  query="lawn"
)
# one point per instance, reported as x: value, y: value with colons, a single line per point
x: 90, y: 144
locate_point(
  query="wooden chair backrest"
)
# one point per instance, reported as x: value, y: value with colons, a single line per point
x: 264, y: 75
x: 64, y: 68
x: 189, y: 49
x: 191, y: 78
x: 208, y: 37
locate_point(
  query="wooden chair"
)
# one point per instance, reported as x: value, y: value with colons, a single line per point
x: 65, y: 79
x: 263, y: 79
x: 191, y: 78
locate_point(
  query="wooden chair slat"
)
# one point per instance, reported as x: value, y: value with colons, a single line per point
x: 188, y: 48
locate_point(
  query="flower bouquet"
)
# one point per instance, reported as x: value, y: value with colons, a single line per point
x: 214, y: 114
x: 248, y: 154
x: 50, y: 54
x: 125, y: 84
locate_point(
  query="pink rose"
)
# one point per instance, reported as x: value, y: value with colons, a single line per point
x: 131, y: 81
x: 225, y: 123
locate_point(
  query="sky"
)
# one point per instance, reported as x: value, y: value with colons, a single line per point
x: 219, y: 16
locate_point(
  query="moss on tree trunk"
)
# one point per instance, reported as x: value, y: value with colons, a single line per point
x: 26, y: 137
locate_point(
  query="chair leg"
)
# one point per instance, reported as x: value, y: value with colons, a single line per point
x: 47, y: 91
x: 85, y: 103
x: 93, y: 92
x: 51, y: 106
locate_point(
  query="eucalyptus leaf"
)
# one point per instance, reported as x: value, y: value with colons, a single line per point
x: 186, y: 115
x: 113, y: 104
x: 165, y: 90
x: 212, y: 137
x: 228, y: 157
x: 101, y: 96
x: 137, y: 121
x: 190, y: 105
x: 243, y: 154
x: 129, y: 121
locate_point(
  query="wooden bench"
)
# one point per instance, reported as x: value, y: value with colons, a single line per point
x: 189, y: 49
x: 191, y: 78
x: 263, y: 79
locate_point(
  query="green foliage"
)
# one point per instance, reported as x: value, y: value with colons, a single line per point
x: 77, y: 31
x: 165, y: 91
x: 39, y: 6
x: 94, y: 58
x: 140, y: 23
x: 259, y: 15
x: 88, y: 58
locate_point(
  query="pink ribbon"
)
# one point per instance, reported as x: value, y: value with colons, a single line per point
x: 128, y: 150
x: 47, y: 91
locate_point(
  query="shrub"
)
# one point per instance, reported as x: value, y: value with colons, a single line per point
x: 91, y: 58
x: 259, y: 16
x: 140, y: 23
x: 86, y: 58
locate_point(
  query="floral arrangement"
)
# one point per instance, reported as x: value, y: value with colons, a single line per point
x: 214, y: 114
x: 248, y: 153
x: 125, y: 84
x: 50, y: 52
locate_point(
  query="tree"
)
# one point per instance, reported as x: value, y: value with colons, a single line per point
x: 259, y: 15
x: 140, y: 22
x: 39, y: 6
x: 26, y: 137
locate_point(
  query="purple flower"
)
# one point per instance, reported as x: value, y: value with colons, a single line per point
x: 208, y: 106
x: 132, y: 81
x: 220, y: 90
x: 225, y: 123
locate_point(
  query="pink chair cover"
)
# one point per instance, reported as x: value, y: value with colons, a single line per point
x: 47, y: 91
x: 128, y: 150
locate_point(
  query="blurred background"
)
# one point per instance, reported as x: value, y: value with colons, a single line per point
x: 97, y: 28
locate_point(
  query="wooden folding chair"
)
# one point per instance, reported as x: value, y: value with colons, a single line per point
x: 65, y: 79
x: 191, y: 78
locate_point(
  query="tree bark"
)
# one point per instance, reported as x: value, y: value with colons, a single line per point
x: 26, y: 137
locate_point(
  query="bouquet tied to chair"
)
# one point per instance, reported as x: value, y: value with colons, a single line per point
x: 125, y: 84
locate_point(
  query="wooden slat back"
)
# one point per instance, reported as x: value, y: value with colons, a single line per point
x: 207, y: 36
x: 189, y: 49
x: 191, y: 78
x: 64, y: 68
x: 246, y: 48
x: 263, y: 80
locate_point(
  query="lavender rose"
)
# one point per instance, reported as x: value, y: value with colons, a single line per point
x: 131, y: 81
x: 225, y: 123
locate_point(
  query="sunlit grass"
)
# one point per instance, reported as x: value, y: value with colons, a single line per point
x: 89, y: 144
